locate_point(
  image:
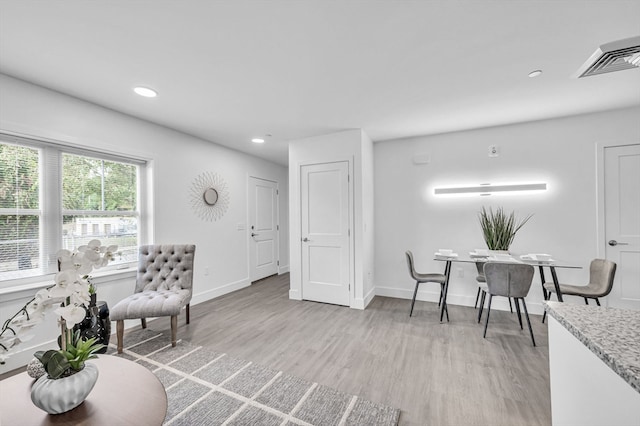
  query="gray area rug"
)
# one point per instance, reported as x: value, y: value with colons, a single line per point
x: 209, y: 388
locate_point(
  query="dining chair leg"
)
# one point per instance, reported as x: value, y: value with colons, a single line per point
x: 441, y: 291
x: 486, y: 323
x: 484, y: 294
x: 188, y: 314
x: 143, y: 322
x: 544, y: 314
x: 515, y: 299
x: 446, y: 311
x: 597, y: 302
x: 586, y: 301
x: 475, y: 305
x: 528, y: 322
x: 510, y: 307
x: 413, y: 301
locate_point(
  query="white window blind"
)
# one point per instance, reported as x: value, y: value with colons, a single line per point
x: 20, y: 248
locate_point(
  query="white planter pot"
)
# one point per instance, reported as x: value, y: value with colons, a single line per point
x: 61, y: 395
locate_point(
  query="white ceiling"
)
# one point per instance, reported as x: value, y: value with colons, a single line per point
x: 227, y: 71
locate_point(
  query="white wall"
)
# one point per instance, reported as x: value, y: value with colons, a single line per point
x: 177, y: 159
x: 561, y: 152
x: 356, y: 147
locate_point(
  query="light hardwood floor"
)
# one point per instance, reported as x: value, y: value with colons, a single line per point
x: 437, y: 374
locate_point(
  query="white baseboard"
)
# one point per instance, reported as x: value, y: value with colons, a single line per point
x: 499, y: 303
x: 283, y: 269
x: 294, y: 294
x: 219, y: 291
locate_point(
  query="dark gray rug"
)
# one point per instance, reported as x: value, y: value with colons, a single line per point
x: 209, y: 388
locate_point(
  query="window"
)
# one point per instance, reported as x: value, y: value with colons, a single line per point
x: 54, y: 197
x: 19, y: 208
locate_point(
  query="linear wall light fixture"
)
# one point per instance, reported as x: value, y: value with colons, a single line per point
x: 488, y: 189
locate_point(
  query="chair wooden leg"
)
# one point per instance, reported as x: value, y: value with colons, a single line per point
x: 475, y: 305
x: 586, y: 301
x: 188, y: 316
x: 488, y: 312
x: 413, y: 301
x: 143, y: 321
x: 120, y: 334
x: 174, y: 330
x: 510, y: 306
x: 528, y: 322
x: 597, y: 302
x: 515, y: 299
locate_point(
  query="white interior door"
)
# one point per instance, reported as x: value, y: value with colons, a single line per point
x: 622, y: 222
x: 325, y: 232
x: 263, y: 228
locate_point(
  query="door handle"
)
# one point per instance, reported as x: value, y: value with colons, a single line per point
x: 306, y: 240
x: 614, y: 243
x: 253, y: 234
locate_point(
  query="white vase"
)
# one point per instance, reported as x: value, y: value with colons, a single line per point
x: 57, y: 396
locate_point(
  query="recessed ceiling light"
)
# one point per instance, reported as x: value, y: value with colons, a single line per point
x: 257, y: 140
x: 535, y: 73
x: 145, y: 91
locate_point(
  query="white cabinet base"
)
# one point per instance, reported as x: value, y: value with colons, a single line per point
x: 584, y: 390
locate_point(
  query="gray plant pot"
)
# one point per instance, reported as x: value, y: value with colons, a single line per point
x: 61, y: 395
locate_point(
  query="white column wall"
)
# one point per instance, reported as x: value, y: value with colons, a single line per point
x: 561, y: 152
x: 356, y: 147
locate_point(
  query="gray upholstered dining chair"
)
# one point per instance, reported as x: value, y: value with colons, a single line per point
x: 482, y: 289
x: 424, y: 278
x: 509, y: 280
x: 163, y: 287
x: 601, y: 275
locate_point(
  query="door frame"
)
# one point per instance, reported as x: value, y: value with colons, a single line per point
x: 247, y: 228
x: 295, y: 226
x: 600, y: 212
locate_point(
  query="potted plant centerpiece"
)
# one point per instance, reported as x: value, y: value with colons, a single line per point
x: 499, y: 228
x: 64, y: 380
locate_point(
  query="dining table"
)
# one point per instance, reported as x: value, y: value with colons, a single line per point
x: 472, y: 257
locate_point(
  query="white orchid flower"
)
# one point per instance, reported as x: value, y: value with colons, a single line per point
x: 92, y: 256
x: 72, y: 314
x: 80, y: 293
x: 64, y: 283
x: 79, y: 262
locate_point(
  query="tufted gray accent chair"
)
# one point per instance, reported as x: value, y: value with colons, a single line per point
x: 509, y: 280
x: 163, y: 287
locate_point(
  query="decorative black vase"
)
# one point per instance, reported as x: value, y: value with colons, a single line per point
x: 96, y: 323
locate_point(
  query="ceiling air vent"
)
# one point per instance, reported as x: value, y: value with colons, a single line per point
x: 615, y: 56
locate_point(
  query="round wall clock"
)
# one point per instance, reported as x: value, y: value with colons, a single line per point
x: 209, y: 196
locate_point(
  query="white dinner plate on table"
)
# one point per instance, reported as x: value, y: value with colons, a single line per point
x: 529, y: 258
x: 478, y: 255
x: 446, y: 256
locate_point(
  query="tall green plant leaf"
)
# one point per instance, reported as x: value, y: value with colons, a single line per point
x: 499, y: 228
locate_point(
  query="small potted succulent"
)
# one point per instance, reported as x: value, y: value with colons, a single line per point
x: 65, y: 380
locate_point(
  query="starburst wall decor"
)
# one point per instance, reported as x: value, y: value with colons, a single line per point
x: 209, y: 196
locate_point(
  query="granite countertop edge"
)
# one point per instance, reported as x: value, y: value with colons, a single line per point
x: 626, y: 372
